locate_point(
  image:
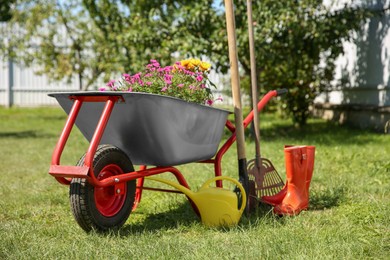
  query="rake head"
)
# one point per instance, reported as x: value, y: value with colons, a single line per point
x: 264, y: 181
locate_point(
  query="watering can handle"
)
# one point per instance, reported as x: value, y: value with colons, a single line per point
x: 239, y: 185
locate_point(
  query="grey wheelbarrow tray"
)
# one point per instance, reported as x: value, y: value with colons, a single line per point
x: 152, y: 129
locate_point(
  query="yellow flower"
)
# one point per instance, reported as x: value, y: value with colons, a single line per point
x: 195, y: 62
x: 204, y: 65
x: 190, y: 66
x: 184, y: 63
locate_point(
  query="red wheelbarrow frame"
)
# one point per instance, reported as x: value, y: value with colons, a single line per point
x: 64, y: 174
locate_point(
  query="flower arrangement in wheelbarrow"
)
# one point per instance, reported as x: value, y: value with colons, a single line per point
x: 186, y: 79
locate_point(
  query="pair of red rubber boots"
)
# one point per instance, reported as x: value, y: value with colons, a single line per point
x: 294, y: 197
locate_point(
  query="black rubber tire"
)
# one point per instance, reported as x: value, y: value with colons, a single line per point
x: 81, y: 193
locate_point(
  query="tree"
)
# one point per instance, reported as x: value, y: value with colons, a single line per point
x: 103, y: 38
x: 296, y: 45
x: 5, y: 10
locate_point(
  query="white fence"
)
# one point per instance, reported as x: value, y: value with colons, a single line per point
x: 20, y: 86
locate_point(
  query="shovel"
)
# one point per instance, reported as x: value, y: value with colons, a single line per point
x: 235, y: 81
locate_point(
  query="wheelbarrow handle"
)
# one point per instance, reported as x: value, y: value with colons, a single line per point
x: 263, y: 102
x: 282, y: 91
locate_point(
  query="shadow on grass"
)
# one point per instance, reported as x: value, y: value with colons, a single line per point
x: 182, y: 215
x: 324, y: 133
x: 315, y: 132
x: 25, y: 134
x: 327, y: 198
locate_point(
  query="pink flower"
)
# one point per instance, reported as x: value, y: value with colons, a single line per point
x: 199, y: 78
x: 137, y: 76
x: 150, y: 67
x: 102, y: 89
x: 155, y: 63
x: 130, y: 89
x: 148, y: 83
x: 126, y: 77
x: 168, y: 68
x: 219, y: 99
x: 164, y: 89
x: 188, y: 72
x: 168, y: 78
x: 180, y: 85
x: 209, y: 102
x: 111, y: 83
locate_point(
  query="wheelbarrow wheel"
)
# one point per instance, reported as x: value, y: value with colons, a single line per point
x: 97, y: 208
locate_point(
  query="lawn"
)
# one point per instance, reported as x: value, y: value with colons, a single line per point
x: 348, y: 217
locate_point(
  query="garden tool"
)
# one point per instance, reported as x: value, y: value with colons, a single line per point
x: 263, y: 178
x: 278, y: 198
x: 296, y: 198
x: 235, y: 81
x: 217, y: 206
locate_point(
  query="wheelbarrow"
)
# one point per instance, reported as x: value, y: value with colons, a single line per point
x: 126, y: 129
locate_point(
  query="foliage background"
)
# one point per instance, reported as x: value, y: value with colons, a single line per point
x: 296, y: 41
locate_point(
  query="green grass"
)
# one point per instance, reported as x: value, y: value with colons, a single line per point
x: 348, y: 216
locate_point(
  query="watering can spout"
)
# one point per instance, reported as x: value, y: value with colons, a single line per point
x: 217, y: 206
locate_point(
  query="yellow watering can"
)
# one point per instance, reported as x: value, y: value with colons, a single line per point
x: 217, y: 206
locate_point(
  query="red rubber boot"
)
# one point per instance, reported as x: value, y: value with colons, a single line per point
x: 277, y: 198
x: 310, y: 150
x: 296, y: 198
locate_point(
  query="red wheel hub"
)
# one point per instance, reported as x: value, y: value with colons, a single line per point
x: 107, y: 200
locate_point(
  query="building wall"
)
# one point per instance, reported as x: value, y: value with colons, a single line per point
x: 360, y: 93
